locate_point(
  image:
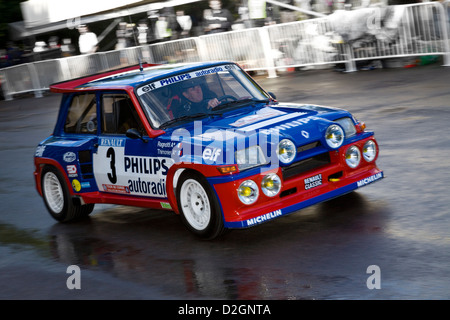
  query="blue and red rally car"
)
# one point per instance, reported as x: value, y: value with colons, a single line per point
x: 204, y: 140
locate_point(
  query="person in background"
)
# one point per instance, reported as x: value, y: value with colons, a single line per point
x: 217, y: 19
x: 87, y: 41
x: 185, y: 23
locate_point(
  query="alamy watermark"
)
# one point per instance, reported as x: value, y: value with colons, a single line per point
x: 374, y: 280
x: 74, y: 280
x: 218, y: 147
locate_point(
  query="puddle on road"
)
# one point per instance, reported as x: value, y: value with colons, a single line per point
x: 19, y: 239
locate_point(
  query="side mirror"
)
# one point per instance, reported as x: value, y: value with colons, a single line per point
x: 274, y: 97
x: 134, y: 134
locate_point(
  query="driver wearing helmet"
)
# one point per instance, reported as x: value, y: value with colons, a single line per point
x: 195, y: 98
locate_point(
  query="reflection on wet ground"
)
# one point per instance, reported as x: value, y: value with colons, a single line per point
x: 132, y: 244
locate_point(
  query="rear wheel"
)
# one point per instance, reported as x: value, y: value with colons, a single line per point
x: 57, y: 197
x: 199, y: 208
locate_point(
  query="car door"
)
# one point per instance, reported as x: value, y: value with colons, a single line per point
x: 125, y: 165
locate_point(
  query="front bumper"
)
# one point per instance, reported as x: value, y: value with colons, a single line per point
x: 336, y: 179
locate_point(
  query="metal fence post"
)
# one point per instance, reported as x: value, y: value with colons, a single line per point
x: 350, y: 65
x: 202, y: 49
x: 445, y: 21
x: 65, y: 70
x: 267, y: 48
x: 35, y: 80
x: 4, y: 86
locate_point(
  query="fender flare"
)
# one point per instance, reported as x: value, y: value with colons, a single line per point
x: 40, y: 163
x: 176, y: 169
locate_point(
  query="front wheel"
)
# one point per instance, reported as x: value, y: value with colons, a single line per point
x: 199, y: 208
x: 57, y: 197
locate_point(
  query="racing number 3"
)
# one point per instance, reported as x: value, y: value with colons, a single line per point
x: 112, y: 176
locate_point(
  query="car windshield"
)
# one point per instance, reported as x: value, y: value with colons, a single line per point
x: 201, y: 93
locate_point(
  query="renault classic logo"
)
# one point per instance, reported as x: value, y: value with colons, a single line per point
x: 305, y: 134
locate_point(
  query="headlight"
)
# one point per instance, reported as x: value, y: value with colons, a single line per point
x: 348, y: 125
x: 250, y: 157
x: 369, y: 151
x: 334, y: 136
x: 353, y: 156
x: 286, y: 151
x: 271, y: 185
x: 248, y: 192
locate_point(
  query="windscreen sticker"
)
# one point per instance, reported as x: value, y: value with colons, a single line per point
x: 182, y: 77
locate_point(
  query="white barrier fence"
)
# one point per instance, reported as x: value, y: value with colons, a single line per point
x: 344, y: 37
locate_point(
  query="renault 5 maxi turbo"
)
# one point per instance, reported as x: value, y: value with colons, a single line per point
x: 203, y: 140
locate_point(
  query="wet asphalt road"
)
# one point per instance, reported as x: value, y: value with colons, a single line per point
x: 400, y: 224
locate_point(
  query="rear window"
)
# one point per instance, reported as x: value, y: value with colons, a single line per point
x: 82, y: 114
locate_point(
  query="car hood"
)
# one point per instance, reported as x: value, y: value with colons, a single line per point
x: 261, y: 125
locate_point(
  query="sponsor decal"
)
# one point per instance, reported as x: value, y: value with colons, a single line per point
x: 313, y: 181
x: 169, y: 144
x: 182, y: 77
x: 370, y: 179
x: 264, y: 217
x: 291, y: 124
x: 262, y: 114
x: 165, y: 148
x: 85, y: 185
x: 39, y: 151
x: 157, y: 188
x: 112, y: 142
x: 116, y: 189
x: 211, y: 154
x: 146, y: 165
x: 117, y: 172
x: 76, y: 185
x: 72, y: 171
x: 165, y: 205
x: 269, y: 122
x: 69, y: 156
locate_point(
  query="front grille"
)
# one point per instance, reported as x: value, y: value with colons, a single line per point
x: 306, y: 165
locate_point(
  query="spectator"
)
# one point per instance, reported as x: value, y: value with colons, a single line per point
x: 87, y: 41
x: 142, y: 30
x: 185, y: 23
x: 163, y: 31
x: 257, y: 12
x: 217, y: 19
x: 40, y: 46
x: 121, y: 36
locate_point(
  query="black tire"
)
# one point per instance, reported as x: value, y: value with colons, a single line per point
x: 198, y: 205
x: 57, y: 197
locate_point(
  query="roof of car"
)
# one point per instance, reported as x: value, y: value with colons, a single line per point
x: 127, y: 77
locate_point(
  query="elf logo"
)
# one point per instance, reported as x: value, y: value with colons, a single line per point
x: 211, y: 154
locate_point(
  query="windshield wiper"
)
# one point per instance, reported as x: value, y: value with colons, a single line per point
x: 238, y: 103
x: 186, y: 117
